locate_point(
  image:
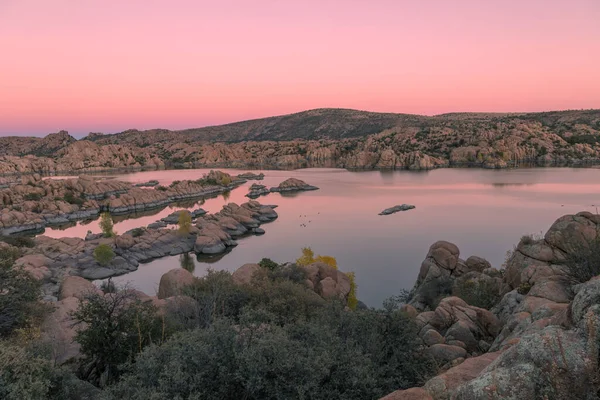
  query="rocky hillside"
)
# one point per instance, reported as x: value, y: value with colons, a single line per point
x: 326, y: 137
x: 538, y: 340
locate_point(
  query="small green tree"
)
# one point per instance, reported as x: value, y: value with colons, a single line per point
x: 269, y: 264
x: 117, y: 327
x: 106, y: 224
x: 104, y: 254
x: 184, y: 222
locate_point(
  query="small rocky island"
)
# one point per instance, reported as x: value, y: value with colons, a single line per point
x: 250, y: 176
x: 257, y: 190
x: 293, y: 185
x: 395, y: 209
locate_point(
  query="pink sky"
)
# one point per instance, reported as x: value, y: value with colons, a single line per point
x: 112, y: 65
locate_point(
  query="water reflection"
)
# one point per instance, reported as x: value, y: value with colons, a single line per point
x: 484, y: 212
x: 187, y: 262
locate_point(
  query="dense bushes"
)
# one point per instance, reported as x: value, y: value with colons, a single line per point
x: 19, y: 294
x: 483, y: 293
x: 18, y: 241
x: 117, y: 326
x: 29, y: 374
x: 104, y: 254
x: 261, y: 352
x: 583, y: 262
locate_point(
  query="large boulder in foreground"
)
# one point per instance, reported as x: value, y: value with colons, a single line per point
x: 76, y: 286
x: 243, y: 275
x: 173, y: 282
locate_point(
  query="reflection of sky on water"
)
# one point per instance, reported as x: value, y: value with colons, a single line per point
x: 472, y: 208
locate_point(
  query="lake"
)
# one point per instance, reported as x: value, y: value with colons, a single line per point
x: 484, y: 212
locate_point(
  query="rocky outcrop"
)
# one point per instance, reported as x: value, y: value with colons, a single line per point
x: 293, y: 185
x: 50, y: 260
x: 244, y: 274
x: 257, y: 190
x: 442, y: 269
x: 324, y: 138
x: 456, y: 330
x: 36, y: 203
x: 173, y: 282
x: 395, y: 209
x: 541, y: 337
x: 327, y: 281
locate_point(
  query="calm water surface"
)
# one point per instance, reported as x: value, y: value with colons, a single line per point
x: 484, y: 212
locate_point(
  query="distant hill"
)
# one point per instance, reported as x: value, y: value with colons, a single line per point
x: 327, y: 137
x: 331, y: 123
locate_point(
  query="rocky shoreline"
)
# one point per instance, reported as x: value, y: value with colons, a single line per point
x: 52, y: 259
x: 33, y: 204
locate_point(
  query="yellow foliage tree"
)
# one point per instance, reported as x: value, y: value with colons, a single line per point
x: 331, y: 261
x: 352, y: 300
x: 106, y: 224
x: 184, y: 222
x: 308, y: 256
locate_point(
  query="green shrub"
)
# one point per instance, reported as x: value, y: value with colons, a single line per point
x: 19, y: 295
x: 137, y: 232
x: 527, y: 239
x: 27, y: 375
x: 33, y: 196
x: 104, y: 254
x: 333, y: 354
x: 115, y: 329
x: 482, y: 293
x: 583, y: 261
x: 524, y: 288
x: 161, y: 188
x: 18, y: 241
x: 71, y: 199
x: 106, y: 225
x: 269, y: 264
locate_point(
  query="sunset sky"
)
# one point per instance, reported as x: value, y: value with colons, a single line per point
x: 106, y: 66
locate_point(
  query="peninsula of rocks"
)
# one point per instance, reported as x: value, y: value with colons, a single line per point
x: 31, y: 203
x: 325, y: 138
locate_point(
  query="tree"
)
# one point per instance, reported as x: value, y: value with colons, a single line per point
x: 331, y: 261
x: 184, y: 222
x: 352, y: 300
x: 187, y: 262
x: 308, y: 257
x: 269, y: 264
x: 104, y: 254
x: 19, y: 294
x: 106, y: 224
x: 116, y: 327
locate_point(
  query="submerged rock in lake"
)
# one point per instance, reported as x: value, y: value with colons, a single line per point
x: 395, y: 209
x: 293, y: 185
